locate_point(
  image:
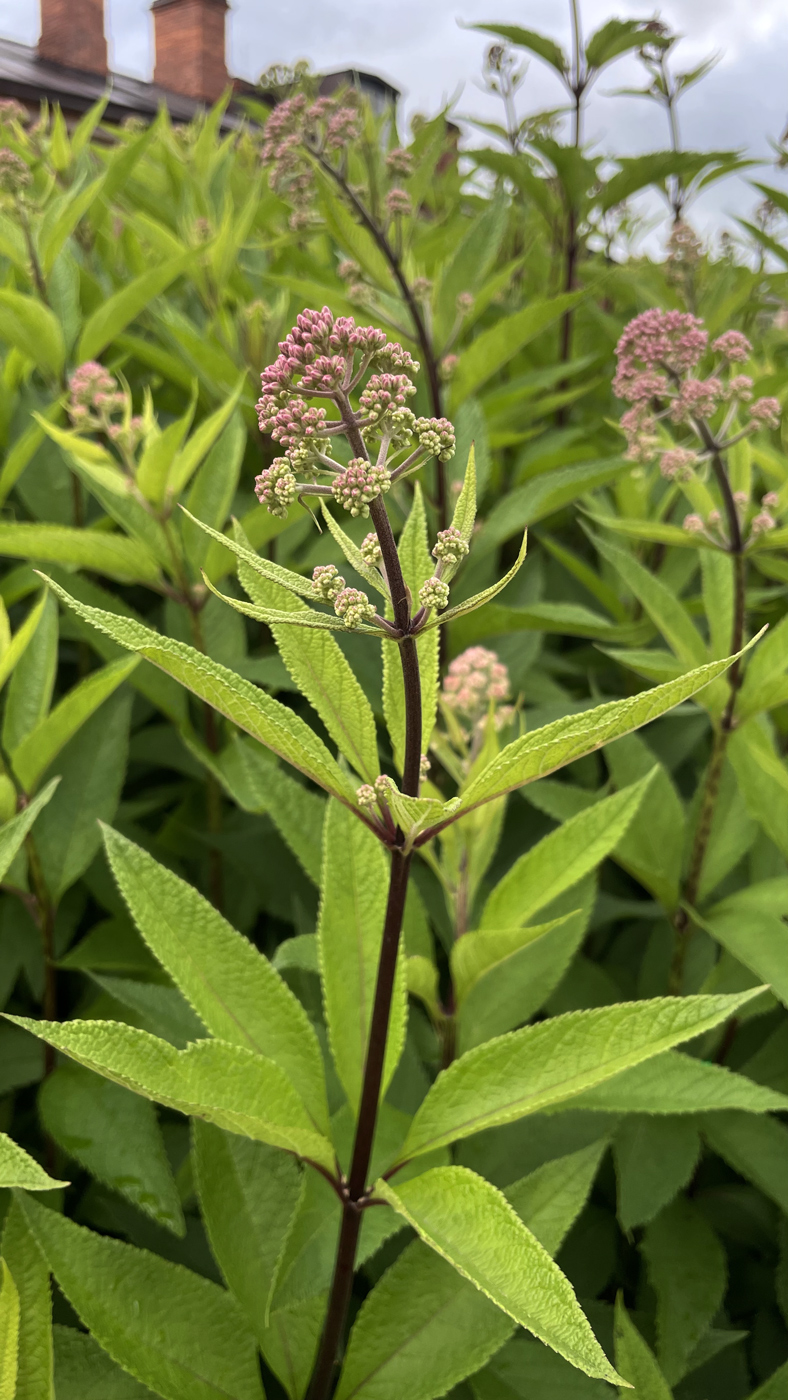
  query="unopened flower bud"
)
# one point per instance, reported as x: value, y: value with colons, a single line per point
x: 434, y: 593
x: 465, y: 302
x: 14, y: 173
x: 365, y: 795
x: 766, y: 411
x: 742, y: 499
x: 399, y: 161
x: 762, y: 522
x: 384, y: 785
x: 448, y: 367
x: 733, y: 346
x: 370, y: 549
x: 276, y: 487
x: 677, y: 464
x: 714, y: 519
x: 436, y: 436
x: 771, y: 500
x: 693, y: 524
x: 424, y: 765
x: 398, y: 202
x: 450, y: 545
x: 359, y: 484
x: 353, y: 607
x: 327, y: 583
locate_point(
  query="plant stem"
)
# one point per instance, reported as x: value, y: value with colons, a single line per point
x: 681, y: 920
x: 355, y: 1188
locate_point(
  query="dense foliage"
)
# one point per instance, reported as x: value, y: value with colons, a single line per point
x: 200, y: 926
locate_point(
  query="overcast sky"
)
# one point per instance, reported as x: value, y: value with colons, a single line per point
x: 421, y: 46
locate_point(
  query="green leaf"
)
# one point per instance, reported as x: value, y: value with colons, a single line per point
x: 317, y: 664
x: 562, y: 858
x: 113, y: 555
x: 67, y: 214
x: 31, y: 1276
x: 464, y: 516
x: 615, y: 37
x: 652, y: 848
x: 124, y: 306
x: 258, y: 784
x: 512, y: 990
x: 636, y: 1361
x: 9, y: 1333
x: 655, y: 1158
x: 545, y: 750
x: 774, y: 1388
x: 249, y: 1194
x: 114, y: 1135
x: 213, y: 489
x: 417, y: 566
x: 676, y: 1083
x: 272, y: 723
x: 24, y: 635
x: 552, y: 1061
x: 18, y: 1169
x: 475, y: 953
x: 499, y: 343
x: 92, y: 769
x: 33, y: 329
x: 531, y: 40
x: 353, y: 554
x: 467, y: 1221
x: 549, y: 1199
x: 663, y: 607
x: 765, y: 680
x: 763, y: 779
x: 350, y: 930
x: 158, y: 454
x: 188, y: 459
x: 13, y: 832
x: 756, y: 1148
x: 222, y: 1083
x: 173, y: 1330
x: 84, y: 1372
x: 33, y: 679
x: 687, y: 1270
x: 545, y: 494
x: 756, y: 936
x: 354, y: 240
x: 234, y: 990
x: 39, y: 749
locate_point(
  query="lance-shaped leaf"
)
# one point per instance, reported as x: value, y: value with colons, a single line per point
x: 9, y: 1333
x: 464, y: 512
x: 530, y: 39
x: 688, y: 1272
x: 21, y: 639
x: 13, y: 832
x: 188, y: 459
x: 552, y: 1061
x: 322, y: 673
x: 39, y: 749
x: 562, y: 858
x: 350, y: 930
x: 666, y: 611
x: 295, y: 583
x: 305, y: 617
x: 475, y: 953
x: 272, y: 723
x: 676, y: 1083
x: 479, y: 599
x: 417, y: 567
x: 636, y: 1361
x: 552, y: 747
x: 110, y: 554
x: 18, y: 1169
x: 31, y: 1276
x: 175, y: 1331
x: 83, y: 1371
x: 222, y: 1083
x: 33, y: 329
x: 655, y: 1158
x: 115, y: 314
x: 353, y: 554
x: 235, y: 991
x: 757, y: 1150
x: 471, y: 1224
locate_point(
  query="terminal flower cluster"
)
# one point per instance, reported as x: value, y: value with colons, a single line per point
x: 659, y: 355
x: 475, y: 680
x: 95, y: 400
x: 335, y: 360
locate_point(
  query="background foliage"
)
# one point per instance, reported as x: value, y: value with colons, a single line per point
x: 173, y: 257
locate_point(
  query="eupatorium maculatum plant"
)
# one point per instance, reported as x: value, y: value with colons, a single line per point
x: 280, y: 1116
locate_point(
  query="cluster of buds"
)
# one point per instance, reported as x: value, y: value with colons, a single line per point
x: 450, y: 546
x: 298, y: 127
x: 95, y: 400
x: 333, y: 359
x: 14, y: 173
x: 475, y: 680
x: 12, y: 111
x: 658, y: 357
x: 761, y: 520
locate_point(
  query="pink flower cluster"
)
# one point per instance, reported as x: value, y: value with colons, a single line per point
x: 672, y: 341
x: 90, y: 382
x: 474, y: 679
x: 359, y: 485
x: 14, y: 173
x: 276, y: 487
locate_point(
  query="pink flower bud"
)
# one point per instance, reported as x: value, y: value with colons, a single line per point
x: 694, y: 524
x: 734, y: 346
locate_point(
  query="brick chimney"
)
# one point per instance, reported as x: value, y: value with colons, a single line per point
x: 190, y: 43
x: 72, y: 34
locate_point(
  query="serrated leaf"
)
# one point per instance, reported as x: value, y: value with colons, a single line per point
x: 666, y: 611
x: 272, y: 723
x: 258, y: 784
x: 173, y: 1330
x: 655, y: 1158
x: 756, y: 1149
x: 21, y: 639
x: 113, y: 555
x: 547, y: 493
x: 467, y: 1221
x: 13, y: 832
x: 545, y: 750
x: 33, y: 329
x: 39, y: 749
x: 18, y: 1169
x: 687, y: 1270
x: 417, y: 566
x: 552, y: 1061
x: 765, y: 680
x: 211, y: 1079
x: 550, y: 1199
x: 189, y: 457
x: 757, y: 937
x: 487, y: 594
x: 234, y: 989
x: 353, y: 554
x: 763, y: 779
x: 531, y: 40
x: 499, y: 343
x: 350, y: 931
x: 124, y: 306
x: 476, y: 952
x: 562, y: 858
x: 9, y: 1332
x: 249, y: 1194
x: 32, y: 683
x: 266, y: 568
x: 114, y: 1135
x: 31, y: 1276
x: 677, y: 1083
x: 636, y: 1361
x: 84, y: 1372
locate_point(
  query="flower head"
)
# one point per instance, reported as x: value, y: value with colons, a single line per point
x: 399, y: 161
x: 658, y: 340
x: 677, y: 464
x: 434, y: 593
x: 276, y: 487
x: 733, y: 346
x: 475, y: 678
x: 771, y: 500
x: 436, y: 436
x: 450, y: 545
x: 359, y: 485
x: 398, y: 202
x: 327, y: 582
x: 370, y: 549
x: 693, y: 524
x: 14, y: 173
x: 762, y: 522
x: 697, y: 398
x: 353, y: 607
x: 766, y: 411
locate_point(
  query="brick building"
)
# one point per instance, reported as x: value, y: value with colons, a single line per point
x: 69, y: 66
